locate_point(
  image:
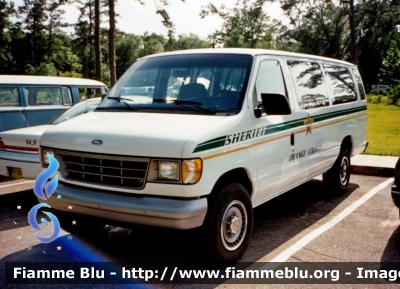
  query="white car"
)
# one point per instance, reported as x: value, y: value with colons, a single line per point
x: 19, y: 148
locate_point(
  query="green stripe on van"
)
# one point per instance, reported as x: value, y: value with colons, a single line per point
x: 220, y: 141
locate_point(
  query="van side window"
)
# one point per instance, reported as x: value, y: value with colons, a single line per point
x: 341, y: 84
x: 9, y: 96
x: 269, y: 78
x: 309, y: 83
x: 359, y: 82
x: 44, y: 96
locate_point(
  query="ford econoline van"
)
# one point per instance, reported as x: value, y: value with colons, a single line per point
x: 36, y: 100
x: 198, y: 138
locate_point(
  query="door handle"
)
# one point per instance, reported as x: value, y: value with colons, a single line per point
x: 292, y: 139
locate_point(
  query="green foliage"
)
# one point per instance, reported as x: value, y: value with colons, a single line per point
x: 390, y: 70
x: 322, y: 29
x: 127, y: 48
x: 190, y: 41
x: 378, y: 91
x: 377, y: 21
x: 46, y: 69
x: 244, y: 26
x: 394, y: 93
x: 70, y: 74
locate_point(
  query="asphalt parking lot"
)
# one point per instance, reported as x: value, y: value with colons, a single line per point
x: 303, y: 225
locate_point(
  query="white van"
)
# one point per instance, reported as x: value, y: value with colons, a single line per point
x: 189, y: 153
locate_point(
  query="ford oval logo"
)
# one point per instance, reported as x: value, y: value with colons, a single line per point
x: 97, y: 142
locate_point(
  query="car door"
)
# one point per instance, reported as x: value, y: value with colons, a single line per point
x: 11, y: 107
x: 313, y: 104
x: 273, y: 134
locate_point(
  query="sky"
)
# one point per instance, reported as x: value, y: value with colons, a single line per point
x: 137, y: 19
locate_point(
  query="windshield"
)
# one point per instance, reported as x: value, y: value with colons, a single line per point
x: 77, y: 109
x: 191, y: 83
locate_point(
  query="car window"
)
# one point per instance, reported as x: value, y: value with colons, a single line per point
x: 341, y: 84
x: 211, y: 82
x: 48, y: 95
x: 9, y: 96
x: 310, y: 84
x: 269, y: 78
x: 91, y: 92
x: 359, y: 83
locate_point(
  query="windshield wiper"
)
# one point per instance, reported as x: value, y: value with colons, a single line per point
x: 123, y: 100
x: 184, y: 102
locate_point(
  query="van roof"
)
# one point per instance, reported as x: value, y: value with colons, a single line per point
x: 250, y: 51
x: 48, y: 80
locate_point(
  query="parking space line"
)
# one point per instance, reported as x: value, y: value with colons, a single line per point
x: 15, y: 184
x: 286, y: 254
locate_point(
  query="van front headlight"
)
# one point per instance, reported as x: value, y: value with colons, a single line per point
x: 168, y: 170
x: 178, y: 171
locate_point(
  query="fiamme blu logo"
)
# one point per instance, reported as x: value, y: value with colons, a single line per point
x: 43, y: 188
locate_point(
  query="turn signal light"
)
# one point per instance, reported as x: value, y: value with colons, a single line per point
x: 191, y: 171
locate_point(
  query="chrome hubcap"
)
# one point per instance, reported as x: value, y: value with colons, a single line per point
x: 233, y: 225
x: 343, y: 170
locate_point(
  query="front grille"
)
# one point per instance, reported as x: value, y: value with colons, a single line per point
x: 105, y: 170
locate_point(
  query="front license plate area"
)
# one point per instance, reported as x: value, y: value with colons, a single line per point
x: 16, y: 173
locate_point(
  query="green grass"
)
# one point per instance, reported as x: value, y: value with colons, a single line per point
x: 383, y: 128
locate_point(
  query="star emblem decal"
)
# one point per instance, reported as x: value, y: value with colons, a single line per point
x: 308, y: 122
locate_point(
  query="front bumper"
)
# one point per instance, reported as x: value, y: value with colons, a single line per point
x: 28, y: 163
x: 129, y: 208
x: 396, y: 195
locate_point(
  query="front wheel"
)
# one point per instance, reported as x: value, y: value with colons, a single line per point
x: 229, y: 224
x: 338, y: 177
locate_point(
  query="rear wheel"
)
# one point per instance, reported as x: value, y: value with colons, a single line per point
x: 338, y: 177
x: 229, y: 224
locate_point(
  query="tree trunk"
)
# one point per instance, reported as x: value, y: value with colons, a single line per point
x: 97, y: 47
x: 111, y: 44
x: 353, y: 34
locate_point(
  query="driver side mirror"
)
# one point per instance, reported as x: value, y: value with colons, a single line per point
x: 273, y: 104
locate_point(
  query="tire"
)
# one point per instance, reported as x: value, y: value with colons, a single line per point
x: 229, y: 224
x: 83, y: 225
x: 338, y: 177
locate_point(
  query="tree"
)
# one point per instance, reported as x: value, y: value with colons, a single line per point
x: 127, y: 49
x: 6, y: 10
x: 190, y: 41
x: 377, y: 21
x: 41, y: 29
x: 322, y: 27
x: 83, y: 40
x: 111, y: 43
x: 243, y: 26
x: 97, y: 47
x: 390, y: 70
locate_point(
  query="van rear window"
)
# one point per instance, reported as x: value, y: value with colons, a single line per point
x: 360, y: 85
x: 341, y: 84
